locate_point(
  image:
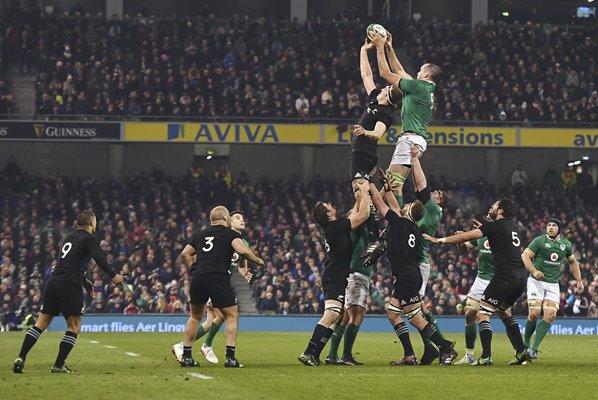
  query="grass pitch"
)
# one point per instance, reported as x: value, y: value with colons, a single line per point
x: 567, y: 368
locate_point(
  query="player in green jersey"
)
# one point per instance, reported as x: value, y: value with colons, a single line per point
x: 485, y: 265
x: 418, y: 104
x: 215, y: 318
x: 356, y: 293
x: 543, y: 259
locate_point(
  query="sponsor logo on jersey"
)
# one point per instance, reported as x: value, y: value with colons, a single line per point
x: 562, y: 247
x: 487, y: 244
x: 235, y: 257
x: 547, y: 245
x: 554, y: 257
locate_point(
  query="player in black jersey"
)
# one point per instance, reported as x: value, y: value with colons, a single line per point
x: 374, y: 122
x: 403, y: 243
x: 339, y: 247
x: 509, y: 281
x: 63, y: 293
x: 210, y: 278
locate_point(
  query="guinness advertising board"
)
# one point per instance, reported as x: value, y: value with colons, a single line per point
x: 53, y: 130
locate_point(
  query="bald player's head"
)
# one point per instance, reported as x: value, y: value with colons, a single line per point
x: 220, y: 216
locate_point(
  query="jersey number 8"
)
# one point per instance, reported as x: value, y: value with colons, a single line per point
x: 411, y: 241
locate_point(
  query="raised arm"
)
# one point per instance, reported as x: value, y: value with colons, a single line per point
x: 385, y: 72
x: 395, y: 65
x: 360, y: 213
x: 364, y: 66
x: 457, y: 238
x: 379, y: 204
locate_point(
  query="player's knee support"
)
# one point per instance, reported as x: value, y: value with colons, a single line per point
x: 335, y: 309
x: 472, y: 304
x: 394, y: 309
x: 487, y: 309
x: 395, y: 177
x: 413, y: 313
x: 551, y: 305
x: 535, y: 304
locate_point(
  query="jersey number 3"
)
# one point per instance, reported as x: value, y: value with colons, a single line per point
x: 209, y: 244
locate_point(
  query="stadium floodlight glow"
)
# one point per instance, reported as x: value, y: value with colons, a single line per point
x: 505, y: 13
x: 210, y: 154
x: 570, y: 164
x: 591, y: 1
x: 576, y: 162
x: 585, y: 158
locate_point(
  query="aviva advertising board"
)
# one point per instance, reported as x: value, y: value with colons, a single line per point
x: 466, y: 136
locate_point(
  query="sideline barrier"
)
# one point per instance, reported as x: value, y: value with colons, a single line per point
x: 250, y: 323
x: 467, y: 136
x: 60, y: 131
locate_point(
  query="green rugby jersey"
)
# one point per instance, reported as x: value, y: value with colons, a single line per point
x: 428, y: 224
x: 485, y: 258
x: 360, y: 242
x: 550, y: 255
x: 234, y: 262
x: 418, y: 103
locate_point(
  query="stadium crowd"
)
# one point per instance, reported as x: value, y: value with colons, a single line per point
x: 145, y: 221
x: 201, y: 66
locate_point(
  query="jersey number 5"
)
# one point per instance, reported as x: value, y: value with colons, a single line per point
x: 66, y: 248
x: 209, y: 244
x: 516, y: 241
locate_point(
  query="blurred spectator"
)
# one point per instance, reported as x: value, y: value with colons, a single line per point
x: 519, y: 177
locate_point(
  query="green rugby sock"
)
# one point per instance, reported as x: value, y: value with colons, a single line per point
x: 200, y: 332
x: 214, y: 328
x: 543, y: 329
x: 335, y: 341
x: 350, y: 335
x: 530, y: 327
x: 470, y: 336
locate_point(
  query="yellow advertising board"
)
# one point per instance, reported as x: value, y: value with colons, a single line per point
x: 555, y: 137
x: 441, y: 136
x: 461, y: 136
x: 221, y: 133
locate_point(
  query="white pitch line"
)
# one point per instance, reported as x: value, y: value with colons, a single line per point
x: 94, y: 341
x: 200, y: 376
x: 110, y: 347
x: 132, y: 354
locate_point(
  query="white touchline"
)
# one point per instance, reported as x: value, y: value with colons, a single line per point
x: 110, y: 347
x: 200, y: 376
x: 132, y: 354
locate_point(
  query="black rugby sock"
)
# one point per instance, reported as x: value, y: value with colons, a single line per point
x: 30, y: 340
x: 66, y: 345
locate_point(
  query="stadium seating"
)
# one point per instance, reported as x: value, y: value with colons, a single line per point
x: 203, y: 67
x: 145, y: 221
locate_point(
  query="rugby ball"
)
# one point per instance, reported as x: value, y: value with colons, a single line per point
x: 376, y: 28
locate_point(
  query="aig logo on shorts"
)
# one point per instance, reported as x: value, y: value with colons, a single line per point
x: 554, y: 257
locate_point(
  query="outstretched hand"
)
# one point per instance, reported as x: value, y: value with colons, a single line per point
x: 367, y: 45
x: 476, y: 223
x: 429, y: 238
x: 377, y: 39
x: 388, y: 43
